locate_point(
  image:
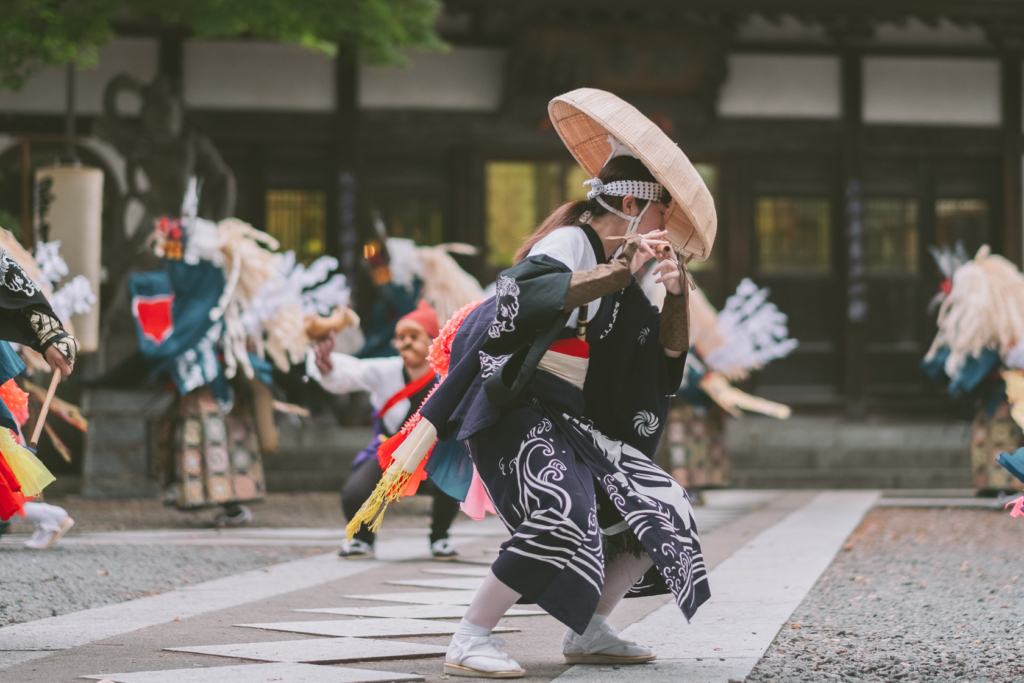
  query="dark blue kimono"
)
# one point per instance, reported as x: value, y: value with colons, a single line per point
x: 547, y: 452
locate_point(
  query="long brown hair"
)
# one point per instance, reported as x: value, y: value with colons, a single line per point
x: 619, y: 168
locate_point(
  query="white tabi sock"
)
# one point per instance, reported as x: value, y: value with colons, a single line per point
x: 470, y: 630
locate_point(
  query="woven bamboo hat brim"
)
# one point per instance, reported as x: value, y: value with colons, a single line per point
x: 585, y: 117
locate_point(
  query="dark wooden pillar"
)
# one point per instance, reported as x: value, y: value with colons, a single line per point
x: 735, y: 220
x: 171, y: 55
x: 466, y: 208
x: 343, y: 239
x: 855, y: 357
x: 1013, y: 217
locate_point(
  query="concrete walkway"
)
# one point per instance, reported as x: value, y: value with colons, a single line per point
x: 322, y: 619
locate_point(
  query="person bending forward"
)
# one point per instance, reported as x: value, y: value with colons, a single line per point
x: 397, y: 387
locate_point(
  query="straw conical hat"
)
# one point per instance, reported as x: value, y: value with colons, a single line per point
x: 585, y: 117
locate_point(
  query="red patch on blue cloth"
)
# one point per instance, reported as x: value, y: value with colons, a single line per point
x: 153, y: 314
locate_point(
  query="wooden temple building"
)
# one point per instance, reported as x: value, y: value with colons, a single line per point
x: 841, y: 140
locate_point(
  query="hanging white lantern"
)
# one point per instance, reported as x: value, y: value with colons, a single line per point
x: 69, y: 208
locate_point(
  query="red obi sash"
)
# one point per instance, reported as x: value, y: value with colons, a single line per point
x: 577, y: 348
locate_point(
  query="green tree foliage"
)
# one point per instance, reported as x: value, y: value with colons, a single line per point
x: 42, y: 33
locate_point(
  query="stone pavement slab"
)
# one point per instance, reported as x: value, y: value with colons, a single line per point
x: 469, y: 584
x: 318, y: 650
x: 425, y: 598
x: 413, y: 611
x: 489, y: 526
x: 753, y: 593
x: 537, y: 646
x: 87, y: 626
x: 37, y: 639
x: 936, y: 502
x: 367, y: 628
x: 460, y: 571
x: 329, y: 537
x: 251, y: 673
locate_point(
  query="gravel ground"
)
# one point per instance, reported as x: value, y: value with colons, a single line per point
x: 279, y: 510
x: 920, y: 595
x: 69, y: 578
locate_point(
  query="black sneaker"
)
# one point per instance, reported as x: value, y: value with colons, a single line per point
x: 356, y: 550
x: 235, y: 517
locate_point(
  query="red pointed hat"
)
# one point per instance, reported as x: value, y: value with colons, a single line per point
x: 425, y: 317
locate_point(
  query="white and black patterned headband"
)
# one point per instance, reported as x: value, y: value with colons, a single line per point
x: 641, y: 189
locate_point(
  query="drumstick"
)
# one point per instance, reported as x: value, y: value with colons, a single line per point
x: 54, y: 381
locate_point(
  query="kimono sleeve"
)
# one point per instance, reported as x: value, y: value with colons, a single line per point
x: 19, y: 295
x: 498, y: 346
x: 528, y: 298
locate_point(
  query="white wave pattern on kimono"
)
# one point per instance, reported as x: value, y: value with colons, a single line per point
x: 659, y: 505
x: 539, y: 477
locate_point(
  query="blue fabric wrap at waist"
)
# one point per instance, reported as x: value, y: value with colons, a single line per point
x: 370, y: 451
x: 10, y: 366
x: 555, y: 394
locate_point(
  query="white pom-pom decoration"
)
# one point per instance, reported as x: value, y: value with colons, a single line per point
x: 74, y: 297
x: 755, y: 330
x: 50, y: 261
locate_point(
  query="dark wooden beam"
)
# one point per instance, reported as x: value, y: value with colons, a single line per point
x: 343, y: 232
x: 735, y: 220
x: 171, y: 55
x: 855, y: 337
x: 1013, y: 218
x: 887, y: 10
x: 272, y: 128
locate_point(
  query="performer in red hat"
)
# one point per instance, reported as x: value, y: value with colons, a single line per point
x: 397, y: 386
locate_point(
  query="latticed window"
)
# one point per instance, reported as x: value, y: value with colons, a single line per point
x: 520, y: 194
x: 793, y: 235
x: 890, y: 236
x: 418, y: 218
x: 298, y: 220
x: 962, y: 220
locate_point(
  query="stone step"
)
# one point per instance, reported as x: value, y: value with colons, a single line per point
x: 315, y: 455
x: 831, y: 452
x: 852, y: 478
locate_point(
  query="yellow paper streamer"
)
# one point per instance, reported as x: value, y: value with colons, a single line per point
x: 31, y: 474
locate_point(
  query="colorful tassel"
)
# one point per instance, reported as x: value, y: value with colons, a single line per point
x: 30, y: 473
x: 405, y: 472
